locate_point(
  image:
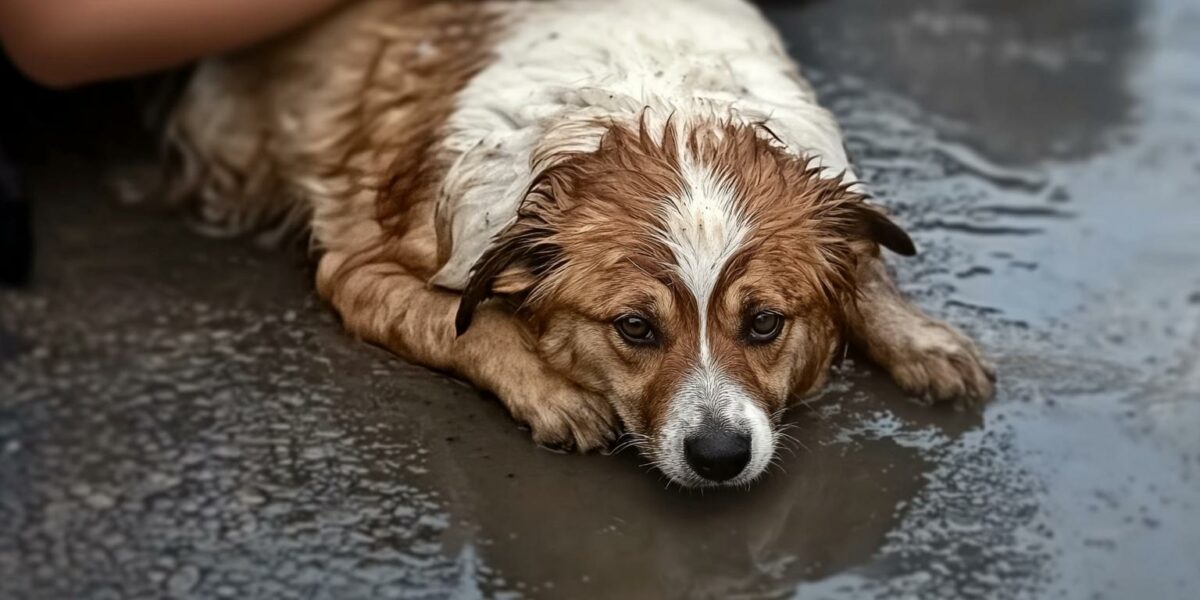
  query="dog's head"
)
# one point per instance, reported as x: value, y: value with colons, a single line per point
x: 697, y: 278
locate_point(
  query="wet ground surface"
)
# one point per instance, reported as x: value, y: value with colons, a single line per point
x: 180, y: 416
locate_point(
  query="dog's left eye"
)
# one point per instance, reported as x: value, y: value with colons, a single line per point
x: 635, y: 330
x: 764, y: 327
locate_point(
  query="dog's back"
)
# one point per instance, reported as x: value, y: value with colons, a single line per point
x: 349, y: 125
x: 306, y: 130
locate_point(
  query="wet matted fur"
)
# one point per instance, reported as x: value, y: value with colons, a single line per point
x: 613, y: 215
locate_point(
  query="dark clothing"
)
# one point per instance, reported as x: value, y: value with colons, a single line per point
x: 16, y: 238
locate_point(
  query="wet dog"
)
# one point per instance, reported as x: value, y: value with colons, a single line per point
x: 614, y: 216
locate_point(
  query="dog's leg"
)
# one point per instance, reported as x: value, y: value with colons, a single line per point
x: 929, y: 359
x: 383, y: 303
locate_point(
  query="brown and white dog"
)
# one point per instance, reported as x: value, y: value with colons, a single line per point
x: 610, y: 214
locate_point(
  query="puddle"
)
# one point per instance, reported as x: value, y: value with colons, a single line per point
x: 180, y: 416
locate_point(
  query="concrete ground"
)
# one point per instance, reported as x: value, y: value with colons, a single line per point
x: 180, y: 416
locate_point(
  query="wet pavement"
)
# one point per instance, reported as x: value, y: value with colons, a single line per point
x: 180, y: 416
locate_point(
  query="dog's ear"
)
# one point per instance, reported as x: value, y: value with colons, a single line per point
x: 521, y: 256
x: 874, y: 225
x: 847, y: 210
x: 511, y: 265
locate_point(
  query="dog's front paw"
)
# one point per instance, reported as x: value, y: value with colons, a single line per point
x: 562, y: 416
x: 934, y: 362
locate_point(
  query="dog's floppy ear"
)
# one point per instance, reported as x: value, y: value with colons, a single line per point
x: 525, y: 252
x: 879, y: 228
x: 511, y: 265
x: 851, y: 215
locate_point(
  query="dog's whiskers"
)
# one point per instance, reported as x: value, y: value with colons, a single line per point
x: 629, y: 439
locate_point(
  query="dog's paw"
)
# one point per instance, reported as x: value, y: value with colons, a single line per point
x: 937, y: 363
x: 562, y: 416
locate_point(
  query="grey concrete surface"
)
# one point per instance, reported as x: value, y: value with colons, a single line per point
x: 181, y: 417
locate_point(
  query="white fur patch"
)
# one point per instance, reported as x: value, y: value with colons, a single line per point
x: 564, y: 68
x: 703, y: 228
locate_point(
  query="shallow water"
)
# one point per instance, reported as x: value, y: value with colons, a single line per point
x: 181, y: 416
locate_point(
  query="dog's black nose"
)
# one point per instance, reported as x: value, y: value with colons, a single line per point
x: 717, y: 455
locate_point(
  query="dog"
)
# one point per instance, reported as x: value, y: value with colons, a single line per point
x: 619, y: 216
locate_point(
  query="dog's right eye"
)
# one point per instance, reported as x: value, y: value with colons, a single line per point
x: 635, y: 330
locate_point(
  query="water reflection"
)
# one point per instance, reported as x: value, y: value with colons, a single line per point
x: 570, y: 526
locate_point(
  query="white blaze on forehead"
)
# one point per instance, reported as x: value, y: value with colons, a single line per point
x: 704, y: 227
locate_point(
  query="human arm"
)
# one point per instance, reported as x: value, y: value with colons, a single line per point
x: 63, y: 43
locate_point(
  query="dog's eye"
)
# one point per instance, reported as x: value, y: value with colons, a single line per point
x: 635, y: 330
x: 764, y: 327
